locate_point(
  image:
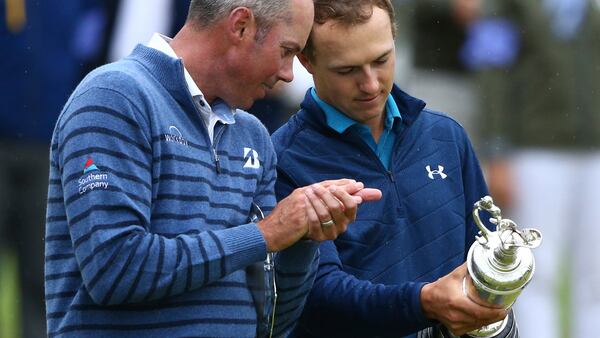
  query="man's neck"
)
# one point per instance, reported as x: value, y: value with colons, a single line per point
x: 194, y: 46
x: 377, y: 126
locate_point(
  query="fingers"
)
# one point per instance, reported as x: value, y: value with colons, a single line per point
x: 445, y: 301
x: 355, y: 188
x: 475, y: 319
x: 471, y: 316
x: 369, y: 194
x: 314, y: 223
x: 343, y: 181
x: 319, y: 212
x: 349, y: 202
x: 334, y: 205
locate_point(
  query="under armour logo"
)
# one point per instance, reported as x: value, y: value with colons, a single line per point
x: 439, y: 171
x: 251, y: 157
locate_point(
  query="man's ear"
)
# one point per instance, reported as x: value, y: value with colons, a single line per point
x: 241, y: 24
x: 305, y: 61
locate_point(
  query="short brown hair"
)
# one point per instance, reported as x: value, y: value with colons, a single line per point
x: 348, y: 13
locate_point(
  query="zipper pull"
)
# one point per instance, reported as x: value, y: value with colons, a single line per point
x: 217, y: 163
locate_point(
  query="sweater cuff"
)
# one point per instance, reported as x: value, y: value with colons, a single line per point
x: 298, y: 257
x: 243, y: 245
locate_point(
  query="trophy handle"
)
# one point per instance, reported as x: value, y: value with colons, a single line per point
x: 487, y: 204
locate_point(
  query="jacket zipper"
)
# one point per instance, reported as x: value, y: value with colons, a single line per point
x: 220, y: 130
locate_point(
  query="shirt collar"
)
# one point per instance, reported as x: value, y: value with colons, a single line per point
x: 223, y: 112
x: 339, y: 122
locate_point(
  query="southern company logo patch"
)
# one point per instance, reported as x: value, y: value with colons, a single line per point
x: 93, y: 178
x: 89, y: 165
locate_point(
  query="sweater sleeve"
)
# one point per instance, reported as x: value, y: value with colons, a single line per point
x: 108, y: 209
x: 295, y: 267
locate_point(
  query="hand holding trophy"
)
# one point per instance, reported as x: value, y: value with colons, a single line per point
x: 500, y: 263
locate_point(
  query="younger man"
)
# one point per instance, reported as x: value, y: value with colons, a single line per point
x: 399, y: 268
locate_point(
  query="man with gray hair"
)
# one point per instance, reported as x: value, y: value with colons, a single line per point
x: 154, y: 225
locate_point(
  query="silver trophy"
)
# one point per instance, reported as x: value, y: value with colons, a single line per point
x: 500, y: 263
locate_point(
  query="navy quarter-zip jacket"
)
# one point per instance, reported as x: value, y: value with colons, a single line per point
x: 370, y: 277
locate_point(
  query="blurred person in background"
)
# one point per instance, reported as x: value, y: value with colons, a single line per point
x: 45, y: 47
x: 538, y: 64
x: 429, y: 63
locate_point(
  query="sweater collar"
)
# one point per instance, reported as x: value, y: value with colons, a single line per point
x: 162, y: 43
x: 167, y: 70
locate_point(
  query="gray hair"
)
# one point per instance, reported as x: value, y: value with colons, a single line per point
x: 205, y: 13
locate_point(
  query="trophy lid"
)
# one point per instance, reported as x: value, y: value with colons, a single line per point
x: 502, y: 260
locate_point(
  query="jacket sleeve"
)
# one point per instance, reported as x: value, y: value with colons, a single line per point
x: 296, y: 268
x: 109, y: 218
x: 342, y: 305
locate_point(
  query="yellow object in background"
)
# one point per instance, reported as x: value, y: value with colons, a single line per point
x: 10, y: 310
x: 15, y: 15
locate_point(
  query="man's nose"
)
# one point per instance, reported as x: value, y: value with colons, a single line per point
x: 286, y: 73
x: 368, y: 81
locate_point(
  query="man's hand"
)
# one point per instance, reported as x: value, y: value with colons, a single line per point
x: 301, y: 215
x: 444, y: 301
x: 355, y: 189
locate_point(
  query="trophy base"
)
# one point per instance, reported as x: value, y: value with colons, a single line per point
x: 506, y: 328
x: 490, y: 331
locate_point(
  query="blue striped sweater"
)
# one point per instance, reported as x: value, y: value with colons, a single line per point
x: 147, y: 231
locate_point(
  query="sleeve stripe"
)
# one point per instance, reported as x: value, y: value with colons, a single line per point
x: 150, y: 326
x: 100, y: 150
x: 221, y: 251
x: 161, y: 254
x: 115, y: 284
x: 175, y: 270
x: 204, y: 259
x: 104, y: 110
x: 135, y: 283
x: 83, y: 215
x: 103, y: 131
x: 135, y: 197
x: 188, y: 255
x: 101, y: 247
x: 98, y: 227
x: 68, y: 274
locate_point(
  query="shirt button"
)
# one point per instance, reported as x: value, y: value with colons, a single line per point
x: 202, y: 103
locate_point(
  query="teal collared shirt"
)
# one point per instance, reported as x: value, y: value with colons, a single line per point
x: 339, y: 122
